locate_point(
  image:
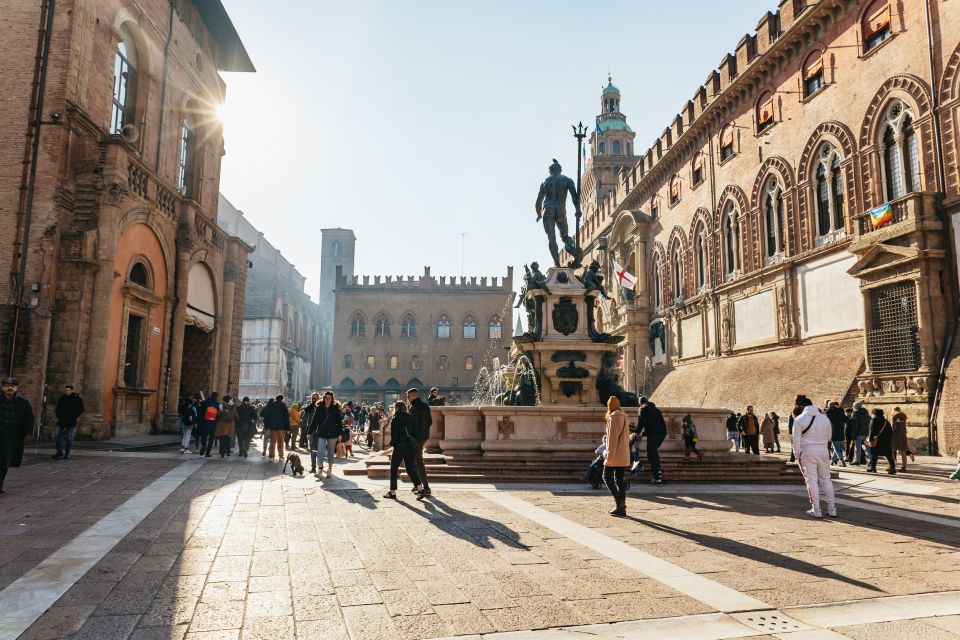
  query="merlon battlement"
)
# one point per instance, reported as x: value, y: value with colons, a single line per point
x: 426, y: 281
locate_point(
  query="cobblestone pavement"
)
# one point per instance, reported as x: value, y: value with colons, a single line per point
x: 232, y: 549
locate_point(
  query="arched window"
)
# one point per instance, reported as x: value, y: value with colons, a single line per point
x: 495, y: 328
x: 676, y: 266
x: 726, y: 142
x: 358, y: 328
x: 125, y: 83
x: 348, y: 361
x: 657, y: 283
x: 188, y: 163
x: 674, y: 190
x: 696, y: 169
x: 812, y: 74
x: 415, y: 363
x: 382, y: 324
x: 731, y: 239
x: 765, y: 115
x: 371, y: 362
x: 469, y: 327
x: 442, y: 363
x: 616, y: 148
x: 443, y: 327
x: 139, y: 275
x: 901, y: 154
x: 876, y: 25
x: 773, y: 218
x: 700, y: 250
x: 603, y: 148
x: 468, y: 363
x: 394, y: 362
x: 828, y: 185
x: 408, y: 326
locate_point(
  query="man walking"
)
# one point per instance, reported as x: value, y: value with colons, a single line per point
x: 861, y: 430
x: 209, y: 413
x: 837, y: 422
x: 69, y: 408
x: 650, y: 423
x: 749, y: 428
x: 16, y: 426
x: 732, y: 434
x: 811, y: 433
x: 420, y: 411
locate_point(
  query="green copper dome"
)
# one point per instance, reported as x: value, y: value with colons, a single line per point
x: 613, y: 124
x: 611, y: 89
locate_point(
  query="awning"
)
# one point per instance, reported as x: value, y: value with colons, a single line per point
x: 767, y: 380
x: 201, y: 299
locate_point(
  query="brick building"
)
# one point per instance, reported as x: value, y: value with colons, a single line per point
x: 761, y: 270
x: 121, y: 281
x: 392, y: 333
x: 281, y: 328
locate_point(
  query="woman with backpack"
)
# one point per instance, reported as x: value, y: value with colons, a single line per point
x: 404, y: 445
x: 881, y: 439
x: 326, y: 429
x: 226, y: 425
x: 209, y: 412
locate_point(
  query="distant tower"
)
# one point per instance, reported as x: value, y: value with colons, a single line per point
x: 611, y: 150
x: 337, y: 250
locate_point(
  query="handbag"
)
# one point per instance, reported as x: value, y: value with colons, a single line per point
x: 872, y: 442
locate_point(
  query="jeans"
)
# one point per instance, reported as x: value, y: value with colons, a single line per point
x: 206, y: 439
x: 294, y: 436
x: 653, y: 455
x: 187, y: 436
x: 734, y: 436
x: 858, y: 449
x: 244, y: 445
x: 58, y: 437
x: 776, y: 441
x: 406, y: 456
x: 837, y: 456
x: 330, y: 445
x: 224, y: 445
x: 613, y: 477
x: 874, y: 457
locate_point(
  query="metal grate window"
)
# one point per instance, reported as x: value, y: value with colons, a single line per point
x: 892, y: 340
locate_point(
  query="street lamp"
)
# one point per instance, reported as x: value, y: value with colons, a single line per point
x: 579, y: 132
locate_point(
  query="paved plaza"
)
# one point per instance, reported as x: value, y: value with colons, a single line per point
x: 113, y: 545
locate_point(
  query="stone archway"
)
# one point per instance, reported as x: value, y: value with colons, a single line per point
x: 199, y: 333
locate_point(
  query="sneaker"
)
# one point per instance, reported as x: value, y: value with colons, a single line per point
x: 427, y: 492
x: 832, y: 514
x: 417, y: 489
x: 913, y: 458
x: 57, y: 455
x: 813, y: 514
x: 390, y: 495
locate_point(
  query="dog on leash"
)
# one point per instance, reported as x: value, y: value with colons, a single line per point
x: 295, y: 465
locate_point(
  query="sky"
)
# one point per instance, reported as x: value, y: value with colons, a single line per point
x: 413, y: 122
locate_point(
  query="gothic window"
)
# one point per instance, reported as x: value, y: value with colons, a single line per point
x: 731, y: 239
x: 674, y: 190
x: 358, y: 327
x: 828, y: 185
x: 812, y: 74
x: 348, y: 361
x: 394, y: 362
x: 470, y: 327
x: 901, y: 155
x: 603, y: 148
x: 443, y: 327
x: 696, y: 169
x: 616, y: 147
x: 495, y: 328
x: 382, y: 324
x: 139, y: 275
x: 125, y: 84
x: 700, y: 250
x: 443, y: 363
x: 468, y: 363
x: 726, y: 142
x: 415, y: 363
x: 676, y: 266
x: 371, y: 362
x: 408, y: 326
x: 187, y: 162
x: 657, y: 283
x: 773, y: 218
x: 765, y: 117
x: 876, y: 25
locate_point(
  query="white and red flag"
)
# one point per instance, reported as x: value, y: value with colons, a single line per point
x: 624, y: 279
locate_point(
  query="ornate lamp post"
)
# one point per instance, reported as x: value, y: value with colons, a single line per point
x: 579, y: 132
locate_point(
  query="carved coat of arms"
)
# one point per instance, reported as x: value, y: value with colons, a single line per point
x: 565, y: 317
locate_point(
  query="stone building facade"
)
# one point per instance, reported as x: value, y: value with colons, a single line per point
x: 392, y: 333
x: 337, y: 250
x: 281, y: 329
x: 123, y: 284
x: 761, y: 271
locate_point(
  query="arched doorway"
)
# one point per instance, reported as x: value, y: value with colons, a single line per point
x: 197, y: 363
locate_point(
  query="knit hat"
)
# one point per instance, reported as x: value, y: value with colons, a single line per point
x: 858, y: 404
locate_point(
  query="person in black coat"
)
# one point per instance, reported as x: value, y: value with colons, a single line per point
x: 837, y: 423
x: 404, y: 444
x: 16, y: 426
x: 881, y: 437
x: 326, y: 429
x: 209, y: 413
x: 246, y: 425
x: 423, y: 419
x: 69, y: 408
x: 651, y: 424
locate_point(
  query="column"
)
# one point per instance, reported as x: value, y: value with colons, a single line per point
x: 175, y: 357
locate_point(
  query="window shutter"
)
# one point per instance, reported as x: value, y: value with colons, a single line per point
x: 675, y: 188
x: 814, y: 67
x: 765, y: 113
x: 726, y: 137
x: 698, y: 162
x: 877, y: 21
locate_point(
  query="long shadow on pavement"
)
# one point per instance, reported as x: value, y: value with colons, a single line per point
x: 470, y: 528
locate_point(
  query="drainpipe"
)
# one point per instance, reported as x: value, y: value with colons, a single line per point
x: 950, y: 244
x: 29, y: 178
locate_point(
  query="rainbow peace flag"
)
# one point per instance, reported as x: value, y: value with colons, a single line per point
x: 881, y: 216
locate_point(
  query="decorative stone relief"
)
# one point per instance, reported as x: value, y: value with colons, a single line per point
x: 505, y: 428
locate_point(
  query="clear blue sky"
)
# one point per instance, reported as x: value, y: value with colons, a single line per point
x: 413, y: 121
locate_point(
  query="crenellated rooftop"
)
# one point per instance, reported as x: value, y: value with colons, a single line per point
x: 425, y: 282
